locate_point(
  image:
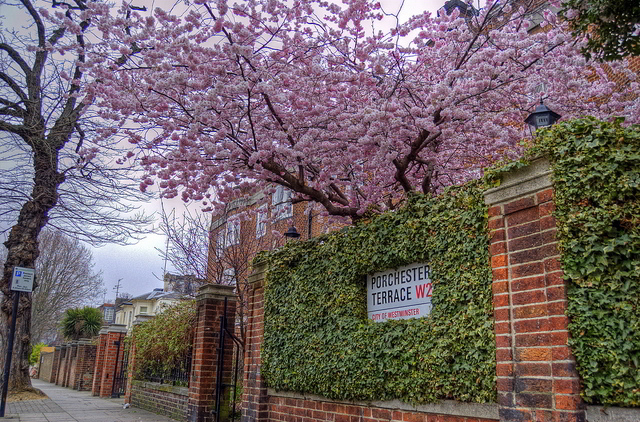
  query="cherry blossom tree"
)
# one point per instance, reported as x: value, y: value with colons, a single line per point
x: 58, y: 166
x: 234, y: 97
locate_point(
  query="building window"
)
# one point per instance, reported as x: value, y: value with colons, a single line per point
x: 229, y: 277
x: 220, y: 243
x: 233, y: 232
x: 108, y: 314
x: 143, y: 309
x: 261, y: 222
x: 281, y: 202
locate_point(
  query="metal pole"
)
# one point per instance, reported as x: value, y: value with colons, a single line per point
x: 7, y: 362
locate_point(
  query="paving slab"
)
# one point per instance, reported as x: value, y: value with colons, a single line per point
x: 66, y: 405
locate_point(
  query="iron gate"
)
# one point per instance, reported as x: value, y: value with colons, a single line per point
x: 222, y: 388
x: 120, y: 373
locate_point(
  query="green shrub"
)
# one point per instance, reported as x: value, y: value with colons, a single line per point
x: 34, y: 356
x: 163, y: 342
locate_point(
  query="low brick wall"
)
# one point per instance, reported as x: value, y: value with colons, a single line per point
x: 46, y: 365
x: 161, y: 399
x: 287, y: 407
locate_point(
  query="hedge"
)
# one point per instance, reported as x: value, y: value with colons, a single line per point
x: 317, y: 336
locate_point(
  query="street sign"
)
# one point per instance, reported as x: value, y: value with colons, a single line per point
x: 22, y: 280
x: 401, y: 293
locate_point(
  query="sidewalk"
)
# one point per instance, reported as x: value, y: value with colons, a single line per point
x: 66, y: 405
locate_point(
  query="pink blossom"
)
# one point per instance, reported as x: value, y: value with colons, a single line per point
x: 311, y: 95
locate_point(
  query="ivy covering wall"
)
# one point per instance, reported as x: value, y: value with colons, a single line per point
x: 318, y: 339
x: 596, y: 171
x: 317, y: 336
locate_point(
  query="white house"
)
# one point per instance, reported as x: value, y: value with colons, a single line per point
x: 148, y: 304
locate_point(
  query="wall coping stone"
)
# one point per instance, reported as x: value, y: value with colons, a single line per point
x: 522, y: 181
x: 612, y: 414
x: 444, y: 407
x: 181, y: 391
x: 215, y: 291
x: 142, y: 318
x: 117, y: 328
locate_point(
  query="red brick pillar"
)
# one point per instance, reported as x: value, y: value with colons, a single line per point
x: 72, y: 355
x: 55, y: 365
x: 64, y: 350
x: 99, y: 366
x: 202, y: 383
x: 80, y: 367
x: 537, y: 378
x: 254, y: 400
x: 113, y: 354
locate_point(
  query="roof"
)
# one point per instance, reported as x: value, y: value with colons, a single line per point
x: 156, y: 294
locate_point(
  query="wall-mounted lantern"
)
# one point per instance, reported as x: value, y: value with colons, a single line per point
x: 292, y: 233
x: 542, y: 117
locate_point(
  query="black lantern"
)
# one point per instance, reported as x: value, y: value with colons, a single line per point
x: 292, y: 233
x: 542, y: 117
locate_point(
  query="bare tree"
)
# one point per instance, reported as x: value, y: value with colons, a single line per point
x: 230, y: 264
x: 192, y: 251
x: 187, y: 242
x: 66, y: 279
x: 59, y: 166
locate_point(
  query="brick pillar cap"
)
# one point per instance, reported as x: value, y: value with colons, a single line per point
x: 117, y: 328
x: 259, y: 271
x: 521, y: 181
x: 215, y: 291
x: 103, y: 330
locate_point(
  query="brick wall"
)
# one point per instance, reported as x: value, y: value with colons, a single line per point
x: 303, y: 409
x: 537, y: 378
x: 46, y: 366
x: 70, y: 365
x: 261, y: 404
x: 160, y: 399
x: 536, y: 372
x: 84, y: 366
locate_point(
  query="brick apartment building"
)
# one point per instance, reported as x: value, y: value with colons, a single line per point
x: 257, y: 223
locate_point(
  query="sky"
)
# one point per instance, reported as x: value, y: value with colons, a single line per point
x: 138, y: 267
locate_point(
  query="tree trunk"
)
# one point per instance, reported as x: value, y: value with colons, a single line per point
x: 22, y: 251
